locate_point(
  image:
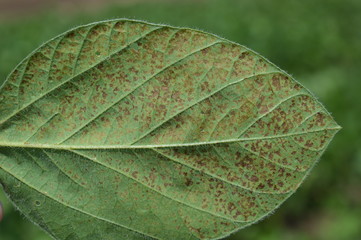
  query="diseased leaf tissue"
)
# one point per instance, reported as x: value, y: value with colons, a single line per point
x: 128, y: 130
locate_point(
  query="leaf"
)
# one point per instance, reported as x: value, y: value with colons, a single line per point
x: 129, y: 130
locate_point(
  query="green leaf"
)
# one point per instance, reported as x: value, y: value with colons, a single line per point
x: 128, y: 130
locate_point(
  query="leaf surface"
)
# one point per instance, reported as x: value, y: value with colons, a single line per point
x: 129, y: 130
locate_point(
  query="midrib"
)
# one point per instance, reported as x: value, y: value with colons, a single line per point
x: 167, y: 145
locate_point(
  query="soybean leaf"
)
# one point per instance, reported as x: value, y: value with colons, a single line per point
x: 129, y: 130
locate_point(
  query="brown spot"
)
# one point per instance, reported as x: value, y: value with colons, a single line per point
x: 254, y: 178
x: 189, y: 182
x: 309, y: 143
x: 231, y: 207
x: 135, y: 174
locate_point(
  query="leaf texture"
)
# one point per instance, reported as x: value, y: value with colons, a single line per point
x: 129, y: 130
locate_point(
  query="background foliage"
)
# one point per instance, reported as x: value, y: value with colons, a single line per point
x: 318, y: 42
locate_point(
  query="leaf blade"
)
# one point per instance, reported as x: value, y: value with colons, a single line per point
x: 201, y: 125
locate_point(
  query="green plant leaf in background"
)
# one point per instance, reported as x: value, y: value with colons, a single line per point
x: 128, y: 130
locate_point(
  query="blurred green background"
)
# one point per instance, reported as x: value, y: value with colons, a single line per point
x: 317, y: 41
